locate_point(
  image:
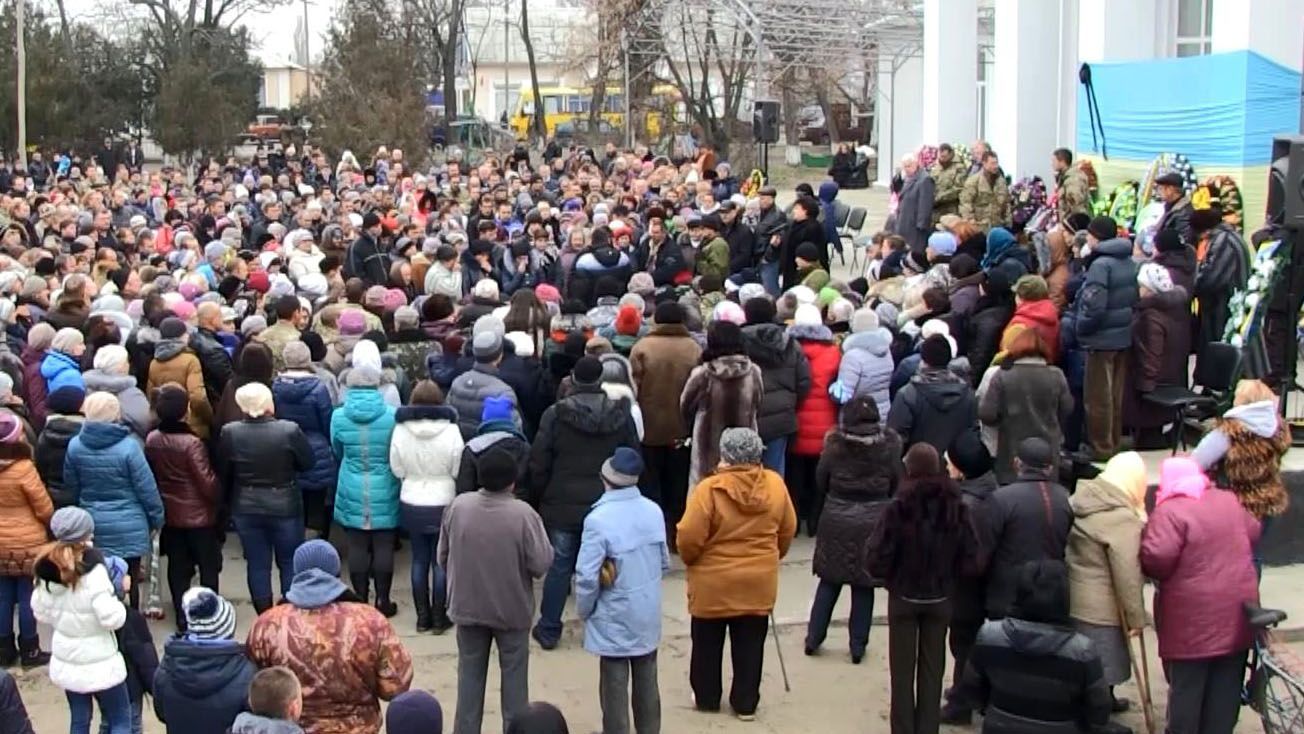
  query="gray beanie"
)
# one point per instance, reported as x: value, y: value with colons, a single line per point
x: 364, y: 376
x: 72, y: 524
x: 406, y: 317
x: 297, y: 356
x: 741, y: 446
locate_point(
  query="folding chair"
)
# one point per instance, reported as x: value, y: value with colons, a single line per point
x: 1217, y: 368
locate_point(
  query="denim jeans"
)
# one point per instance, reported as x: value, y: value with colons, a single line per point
x: 614, y: 677
x: 775, y: 455
x: 16, y: 591
x: 137, y: 724
x: 821, y: 611
x: 556, y: 585
x: 115, y: 707
x: 424, y: 547
x: 770, y: 278
x: 262, y: 537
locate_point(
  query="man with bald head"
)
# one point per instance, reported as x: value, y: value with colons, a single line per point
x: 213, y: 359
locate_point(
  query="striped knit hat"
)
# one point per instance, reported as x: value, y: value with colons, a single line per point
x: 208, y: 616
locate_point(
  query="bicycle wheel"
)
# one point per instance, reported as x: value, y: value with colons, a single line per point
x: 1279, y: 698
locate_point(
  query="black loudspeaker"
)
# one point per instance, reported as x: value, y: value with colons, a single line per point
x: 765, y: 121
x: 1286, y: 182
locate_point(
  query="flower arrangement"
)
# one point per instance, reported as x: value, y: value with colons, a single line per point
x: 927, y: 156
x: 1165, y: 163
x: 1233, y: 204
x: 962, y: 154
x: 1248, y: 305
x: 1121, y: 204
x: 1027, y: 196
x: 755, y: 180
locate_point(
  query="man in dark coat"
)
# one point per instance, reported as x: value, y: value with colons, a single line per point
x: 576, y: 435
x: 1177, y: 207
x: 1103, y: 326
x: 742, y: 241
x: 914, y: 216
x: 365, y: 260
x: 213, y: 359
x: 1028, y: 520
x: 1223, y: 269
x: 786, y: 375
x: 937, y: 406
x: 805, y: 227
x: 769, y: 231
x: 525, y: 375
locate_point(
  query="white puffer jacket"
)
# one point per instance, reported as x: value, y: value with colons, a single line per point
x: 425, y: 452
x: 85, y: 657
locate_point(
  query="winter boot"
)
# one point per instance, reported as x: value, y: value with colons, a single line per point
x: 422, y: 605
x: 8, y: 652
x: 361, y: 586
x: 439, y: 621
x: 384, y: 582
x: 30, y: 653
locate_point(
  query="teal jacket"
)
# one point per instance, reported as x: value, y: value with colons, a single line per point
x: 367, y: 491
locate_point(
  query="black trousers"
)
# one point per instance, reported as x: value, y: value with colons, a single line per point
x: 665, y: 479
x: 746, y: 650
x: 800, y: 476
x: 371, y: 556
x: 189, y: 550
x: 317, y: 513
x: 916, y: 653
x: 1204, y: 696
x: 964, y: 632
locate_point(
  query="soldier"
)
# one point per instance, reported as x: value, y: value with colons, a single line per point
x: 985, y: 200
x: 1072, y: 190
x: 948, y: 180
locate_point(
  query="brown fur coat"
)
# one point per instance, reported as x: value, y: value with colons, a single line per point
x: 722, y: 393
x: 1252, y: 467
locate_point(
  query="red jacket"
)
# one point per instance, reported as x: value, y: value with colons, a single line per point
x: 1041, y: 316
x: 816, y: 413
x: 1199, y: 553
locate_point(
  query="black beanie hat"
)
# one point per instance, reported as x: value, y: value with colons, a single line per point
x: 316, y: 345
x: 970, y: 456
x: 668, y: 312
x: 935, y: 351
x: 171, y: 402
x: 759, y: 311
x: 496, y: 470
x: 66, y: 400
x: 587, y: 372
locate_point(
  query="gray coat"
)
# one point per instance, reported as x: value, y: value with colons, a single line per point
x: 1025, y: 399
x: 469, y: 391
x: 914, y: 216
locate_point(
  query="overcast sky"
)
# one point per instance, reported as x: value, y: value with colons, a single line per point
x: 273, y: 32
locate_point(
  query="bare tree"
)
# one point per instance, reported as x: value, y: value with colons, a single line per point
x: 711, y: 66
x: 441, y: 25
x: 540, y: 130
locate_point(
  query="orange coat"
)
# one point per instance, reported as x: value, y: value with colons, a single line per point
x: 738, y: 524
x: 184, y: 369
x: 25, y: 511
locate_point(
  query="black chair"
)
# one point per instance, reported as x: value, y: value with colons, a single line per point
x: 1217, y: 368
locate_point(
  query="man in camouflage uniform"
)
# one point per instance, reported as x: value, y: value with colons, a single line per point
x: 985, y: 199
x: 1072, y: 190
x: 948, y: 180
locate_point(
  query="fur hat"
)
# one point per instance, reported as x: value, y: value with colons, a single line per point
x: 741, y: 446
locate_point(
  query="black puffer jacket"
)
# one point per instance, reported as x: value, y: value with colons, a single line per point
x: 857, y: 474
x: 1029, y: 520
x: 785, y: 373
x: 576, y: 435
x: 214, y: 361
x: 969, y: 601
x: 1103, y: 310
x: 936, y: 407
x: 1033, y: 678
x: 51, y: 448
x: 13, y: 715
x: 983, y: 331
x: 500, y: 435
x: 259, y: 458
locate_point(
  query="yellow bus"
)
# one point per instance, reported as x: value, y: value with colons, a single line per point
x: 571, y: 104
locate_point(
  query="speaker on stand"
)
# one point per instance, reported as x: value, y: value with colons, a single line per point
x: 765, y: 129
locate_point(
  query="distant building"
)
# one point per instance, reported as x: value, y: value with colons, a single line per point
x: 284, y: 85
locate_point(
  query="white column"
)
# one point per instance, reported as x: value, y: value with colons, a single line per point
x: 1024, y: 85
x: 1272, y: 28
x: 899, y: 111
x: 950, y: 71
x: 1101, y: 34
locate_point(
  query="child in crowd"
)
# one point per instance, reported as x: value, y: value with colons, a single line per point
x: 275, y: 702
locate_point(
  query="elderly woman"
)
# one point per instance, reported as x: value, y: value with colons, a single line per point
x: 259, y: 458
x: 737, y: 526
x: 1196, y: 546
x: 106, y: 471
x: 39, y: 338
x: 62, y: 366
x: 1025, y: 397
x: 110, y: 376
x: 367, y: 492
x: 1245, y: 449
x: 1105, y: 578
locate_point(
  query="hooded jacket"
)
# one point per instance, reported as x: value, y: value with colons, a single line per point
x: 366, y: 495
x: 1029, y: 520
x: 175, y: 362
x: 935, y: 408
x: 131, y: 400
x: 1108, y: 294
x: 1026, y: 398
x: 469, y: 392
x: 106, y: 470
x: 425, y: 453
x: 1246, y: 446
x: 866, y: 367
x: 247, y: 723
x: 725, y: 392
x: 857, y: 475
x: 737, y: 526
x: 84, y: 651
x: 576, y: 435
x: 1035, y: 678
x: 816, y: 411
x: 61, y: 370
x: 303, y: 399
x: 51, y: 450
x: 25, y: 510
x: 785, y: 374
x: 201, y: 686
x: 1040, y: 316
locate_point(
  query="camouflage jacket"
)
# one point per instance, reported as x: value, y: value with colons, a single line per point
x: 948, y: 182
x: 1073, y: 193
x: 986, y: 202
x: 346, y: 656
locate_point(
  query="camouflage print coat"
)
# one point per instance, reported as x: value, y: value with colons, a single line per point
x: 1073, y: 193
x: 346, y: 656
x: 985, y: 201
x: 948, y: 182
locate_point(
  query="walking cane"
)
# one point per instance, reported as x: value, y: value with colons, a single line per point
x: 1141, y: 670
x: 783, y: 668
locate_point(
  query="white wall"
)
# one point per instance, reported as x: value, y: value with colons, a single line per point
x: 901, y: 109
x: 950, y: 69
x: 1024, y: 85
x: 1272, y: 28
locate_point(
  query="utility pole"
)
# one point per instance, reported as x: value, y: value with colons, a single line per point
x: 20, y: 52
x: 307, y: 56
x: 507, y: 52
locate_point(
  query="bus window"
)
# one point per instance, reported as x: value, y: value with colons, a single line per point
x: 552, y: 104
x: 614, y: 103
x: 576, y: 104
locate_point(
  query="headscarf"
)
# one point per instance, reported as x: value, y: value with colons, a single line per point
x: 1125, y: 474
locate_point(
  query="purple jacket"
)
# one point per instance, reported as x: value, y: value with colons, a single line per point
x: 1198, y: 551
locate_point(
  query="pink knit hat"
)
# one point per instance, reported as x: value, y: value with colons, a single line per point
x: 547, y: 293
x: 395, y: 299
x: 352, y: 323
x: 184, y: 310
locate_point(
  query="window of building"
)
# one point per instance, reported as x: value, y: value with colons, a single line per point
x: 1194, y: 27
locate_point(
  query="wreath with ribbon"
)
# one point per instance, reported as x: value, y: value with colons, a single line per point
x: 1166, y: 163
x: 1233, y: 204
x: 755, y: 180
x: 962, y: 155
x: 1027, y: 197
x: 927, y: 156
x: 1120, y: 205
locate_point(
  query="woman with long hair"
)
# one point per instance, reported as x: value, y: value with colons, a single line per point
x: 254, y: 363
x: 1245, y: 449
x: 527, y: 314
x: 724, y: 391
x: 924, y: 543
x: 75, y: 596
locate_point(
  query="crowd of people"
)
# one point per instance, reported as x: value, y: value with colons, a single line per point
x: 570, y: 370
